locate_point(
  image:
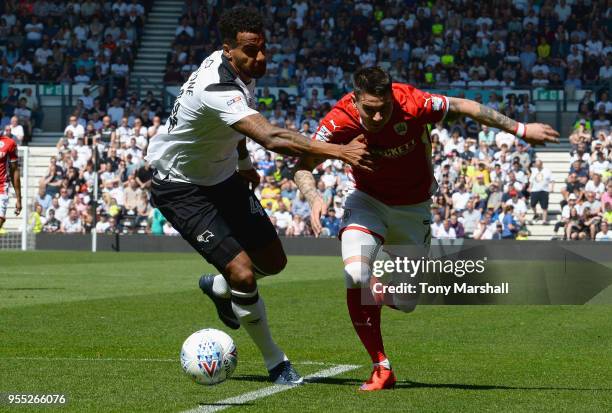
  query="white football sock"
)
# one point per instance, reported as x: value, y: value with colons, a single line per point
x: 220, y: 287
x: 385, y: 363
x: 251, y: 311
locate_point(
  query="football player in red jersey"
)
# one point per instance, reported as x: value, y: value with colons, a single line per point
x: 9, y: 173
x: 391, y: 204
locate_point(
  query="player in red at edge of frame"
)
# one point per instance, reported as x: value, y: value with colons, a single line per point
x: 392, y: 203
x: 9, y: 173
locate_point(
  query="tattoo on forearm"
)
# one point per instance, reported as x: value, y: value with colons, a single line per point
x: 306, y: 183
x: 292, y: 142
x: 493, y: 118
x: 273, y: 138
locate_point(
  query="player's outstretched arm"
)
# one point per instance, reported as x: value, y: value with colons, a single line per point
x: 532, y: 133
x: 306, y: 184
x: 16, y: 181
x: 291, y: 143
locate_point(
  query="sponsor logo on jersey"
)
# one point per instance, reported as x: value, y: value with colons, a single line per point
x: 1, y: 144
x: 205, y: 236
x: 323, y: 134
x: 333, y: 124
x: 401, y: 128
x: 234, y: 100
x: 396, y: 152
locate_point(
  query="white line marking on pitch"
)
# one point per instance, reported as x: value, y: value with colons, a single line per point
x: 303, y: 363
x: 268, y: 391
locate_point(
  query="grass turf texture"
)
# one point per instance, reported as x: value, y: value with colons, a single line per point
x: 56, y: 308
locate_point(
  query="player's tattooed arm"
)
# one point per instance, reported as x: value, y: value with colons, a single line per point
x: 305, y: 180
x: 306, y: 184
x: 481, y: 113
x: 535, y: 133
x: 287, y: 142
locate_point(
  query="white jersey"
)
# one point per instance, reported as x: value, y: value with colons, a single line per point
x: 200, y: 146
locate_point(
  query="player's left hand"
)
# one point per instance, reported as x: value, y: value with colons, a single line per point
x: 540, y: 134
x: 251, y: 176
x: 318, y: 208
x: 18, y: 207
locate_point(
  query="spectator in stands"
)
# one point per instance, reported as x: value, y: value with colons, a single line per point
x: 17, y: 132
x: 540, y: 184
x: 72, y: 223
x: 604, y: 234
x: 52, y: 224
x: 330, y: 224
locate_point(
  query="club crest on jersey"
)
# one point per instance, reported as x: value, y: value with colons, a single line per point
x: 401, y: 128
x: 436, y: 103
x: 323, y: 134
x: 205, y: 236
x: 1, y: 144
x: 234, y: 100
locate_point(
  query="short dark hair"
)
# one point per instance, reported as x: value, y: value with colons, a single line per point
x: 372, y: 80
x: 237, y: 20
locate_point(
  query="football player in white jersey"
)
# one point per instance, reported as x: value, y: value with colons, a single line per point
x: 198, y: 189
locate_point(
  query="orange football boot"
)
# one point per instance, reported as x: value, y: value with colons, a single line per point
x: 382, y: 378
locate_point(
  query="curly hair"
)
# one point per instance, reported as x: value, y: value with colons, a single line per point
x: 239, y: 20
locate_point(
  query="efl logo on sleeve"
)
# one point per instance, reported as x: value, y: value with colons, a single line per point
x: 323, y: 134
x: 234, y: 100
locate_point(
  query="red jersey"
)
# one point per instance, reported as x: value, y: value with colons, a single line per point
x: 8, y: 153
x: 404, y: 173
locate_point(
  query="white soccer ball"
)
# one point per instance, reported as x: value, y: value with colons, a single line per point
x: 209, y: 356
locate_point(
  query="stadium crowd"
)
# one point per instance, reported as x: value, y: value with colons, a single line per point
x: 63, y: 42
x: 487, y: 179
x: 587, y: 197
x: 444, y: 43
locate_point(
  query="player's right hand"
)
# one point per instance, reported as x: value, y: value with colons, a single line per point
x: 540, y: 134
x: 317, y: 210
x: 356, y: 154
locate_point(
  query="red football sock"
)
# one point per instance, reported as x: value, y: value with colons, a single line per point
x: 366, y: 321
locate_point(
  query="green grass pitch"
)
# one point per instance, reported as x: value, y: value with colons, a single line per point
x: 106, y: 330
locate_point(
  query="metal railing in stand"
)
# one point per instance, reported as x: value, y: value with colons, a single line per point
x: 158, y: 88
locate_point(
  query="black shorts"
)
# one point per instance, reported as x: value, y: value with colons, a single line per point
x: 218, y: 221
x: 540, y: 197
